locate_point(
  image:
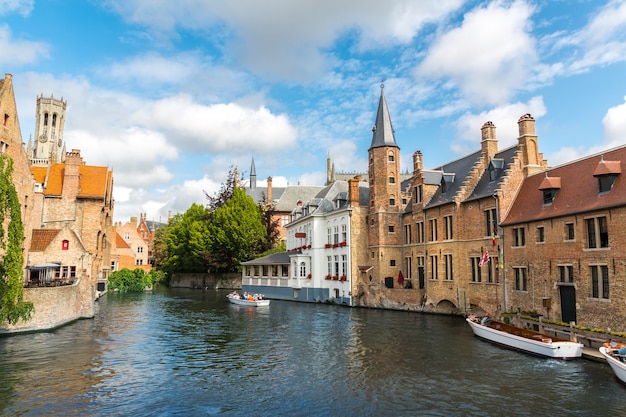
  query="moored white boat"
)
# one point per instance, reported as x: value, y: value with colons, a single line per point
x: 615, y: 360
x: 247, y: 301
x: 526, y: 340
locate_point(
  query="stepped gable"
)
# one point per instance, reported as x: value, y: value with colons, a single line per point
x: 453, y: 174
x: 500, y: 163
x: 579, y: 192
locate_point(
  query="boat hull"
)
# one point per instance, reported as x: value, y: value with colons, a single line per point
x: 618, y: 367
x: 549, y: 349
x: 250, y: 303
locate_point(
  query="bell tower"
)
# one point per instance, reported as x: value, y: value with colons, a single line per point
x: 48, y: 144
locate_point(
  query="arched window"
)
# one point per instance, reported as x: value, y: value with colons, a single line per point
x: 65, y: 245
x: 54, y: 120
x: 45, y: 119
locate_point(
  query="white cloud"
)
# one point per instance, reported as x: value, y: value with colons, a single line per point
x: 284, y: 39
x: 17, y: 52
x: 614, y: 124
x: 219, y: 127
x: 505, y: 119
x: 602, y: 41
x: 22, y: 7
x: 489, y: 57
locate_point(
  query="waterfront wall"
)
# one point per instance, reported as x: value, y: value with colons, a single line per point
x: 230, y: 280
x: 56, y: 306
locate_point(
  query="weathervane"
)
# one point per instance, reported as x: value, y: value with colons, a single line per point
x: 382, y: 83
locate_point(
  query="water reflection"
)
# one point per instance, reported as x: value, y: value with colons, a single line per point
x: 192, y: 353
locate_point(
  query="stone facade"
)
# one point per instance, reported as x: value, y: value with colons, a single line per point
x: 66, y: 211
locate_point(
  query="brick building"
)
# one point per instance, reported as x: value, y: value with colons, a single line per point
x: 133, y: 245
x: 565, y: 241
x: 67, y: 209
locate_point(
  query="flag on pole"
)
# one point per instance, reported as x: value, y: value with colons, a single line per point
x: 484, y: 259
x: 493, y: 235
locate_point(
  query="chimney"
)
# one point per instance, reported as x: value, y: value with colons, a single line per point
x: 353, y: 191
x: 418, y: 164
x: 488, y: 143
x: 528, y: 145
x: 133, y: 220
x: 71, y: 177
x: 269, y: 190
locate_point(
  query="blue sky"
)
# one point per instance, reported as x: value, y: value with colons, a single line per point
x: 171, y: 95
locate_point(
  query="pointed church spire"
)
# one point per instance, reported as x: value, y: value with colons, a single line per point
x: 252, y: 175
x: 382, y: 132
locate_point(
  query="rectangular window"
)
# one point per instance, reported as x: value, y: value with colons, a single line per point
x: 392, y: 202
x: 392, y: 262
x: 344, y: 233
x: 434, y: 273
x: 566, y: 273
x: 520, y: 279
x: 491, y: 222
x: 392, y: 180
x: 600, y: 281
x: 449, y: 270
x: 476, y: 270
x: 408, y: 267
x: 448, y: 225
x: 569, y: 231
x: 540, y: 234
x: 391, y: 229
x: 519, y: 236
x: 329, y: 269
x: 336, y: 235
x: 336, y: 270
x: 420, y: 232
x: 418, y: 194
x: 344, y: 265
x: 407, y: 233
x: 285, y: 270
x: 597, y: 233
x: 491, y: 274
x: 329, y: 236
x: 433, y: 230
x: 140, y: 249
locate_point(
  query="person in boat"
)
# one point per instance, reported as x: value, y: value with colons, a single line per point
x: 486, y: 320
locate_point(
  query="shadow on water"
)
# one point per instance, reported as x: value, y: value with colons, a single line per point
x: 190, y: 352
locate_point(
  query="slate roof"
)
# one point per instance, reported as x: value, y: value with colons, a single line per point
x: 579, y: 192
x: 486, y: 187
x: 280, y: 258
x: 460, y: 168
x: 382, y: 134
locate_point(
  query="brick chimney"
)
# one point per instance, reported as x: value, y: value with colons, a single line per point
x: 269, y: 190
x: 528, y: 145
x: 71, y: 177
x: 488, y: 143
x: 418, y: 165
x: 353, y: 191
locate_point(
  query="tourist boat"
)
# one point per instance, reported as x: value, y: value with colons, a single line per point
x: 615, y: 355
x: 525, y: 340
x: 243, y: 301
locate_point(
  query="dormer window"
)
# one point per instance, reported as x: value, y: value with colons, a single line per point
x: 607, y: 172
x: 550, y: 186
x: 496, y: 165
x: 446, y: 180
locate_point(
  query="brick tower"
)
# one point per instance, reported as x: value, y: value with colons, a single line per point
x: 384, y: 220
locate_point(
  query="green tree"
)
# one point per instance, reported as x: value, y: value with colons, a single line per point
x: 237, y: 232
x: 188, y: 241
x: 12, y: 304
x: 136, y: 280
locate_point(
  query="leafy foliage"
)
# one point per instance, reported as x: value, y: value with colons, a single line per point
x: 237, y: 232
x: 137, y: 280
x: 12, y: 305
x: 188, y: 241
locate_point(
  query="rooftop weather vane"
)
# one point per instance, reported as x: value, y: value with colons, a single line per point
x: 382, y: 83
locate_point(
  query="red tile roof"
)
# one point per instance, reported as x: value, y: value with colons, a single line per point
x: 41, y: 238
x: 579, y: 192
x: 120, y: 243
x: 95, y: 181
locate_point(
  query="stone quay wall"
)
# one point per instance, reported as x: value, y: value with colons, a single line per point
x: 230, y: 280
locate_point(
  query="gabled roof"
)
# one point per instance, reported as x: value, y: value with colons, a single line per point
x: 41, y: 238
x: 120, y: 243
x: 579, y: 193
x: 500, y: 162
x: 461, y: 168
x: 95, y: 181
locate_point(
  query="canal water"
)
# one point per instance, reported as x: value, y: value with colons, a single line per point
x: 190, y: 353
